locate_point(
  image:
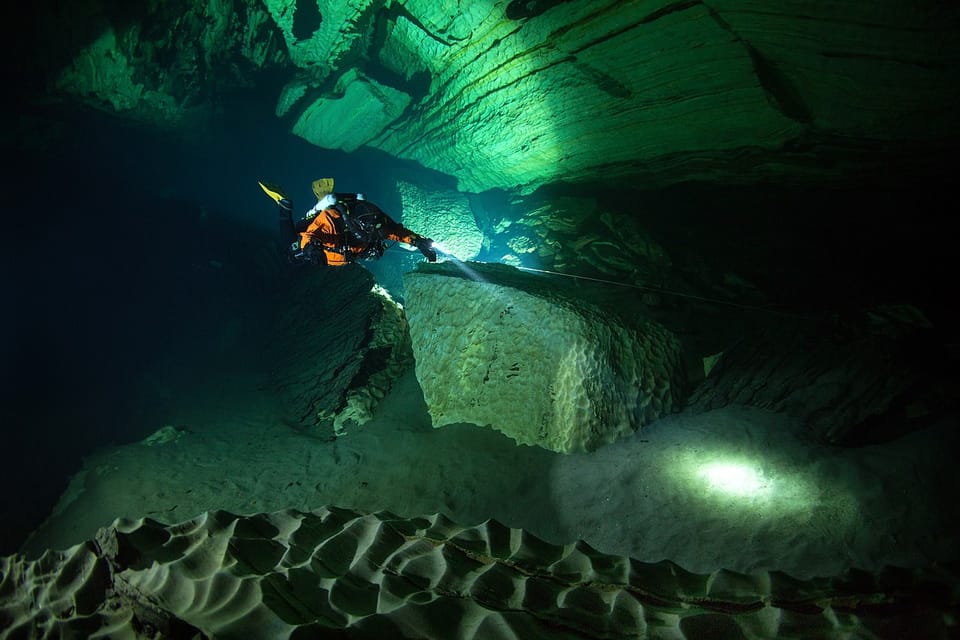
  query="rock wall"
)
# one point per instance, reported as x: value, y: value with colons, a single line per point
x: 164, y: 64
x: 338, y: 349
x: 573, y: 234
x: 866, y: 377
x: 497, y: 347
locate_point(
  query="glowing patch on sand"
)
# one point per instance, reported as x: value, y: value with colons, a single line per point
x: 735, y: 479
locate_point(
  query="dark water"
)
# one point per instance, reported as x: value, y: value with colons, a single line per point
x: 125, y: 248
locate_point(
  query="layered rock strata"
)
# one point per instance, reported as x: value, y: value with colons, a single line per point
x: 513, y: 95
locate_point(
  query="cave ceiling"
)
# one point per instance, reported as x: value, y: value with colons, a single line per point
x: 514, y: 95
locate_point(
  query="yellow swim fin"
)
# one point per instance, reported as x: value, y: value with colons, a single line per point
x: 276, y: 193
x: 322, y: 187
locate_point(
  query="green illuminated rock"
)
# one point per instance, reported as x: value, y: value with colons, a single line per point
x: 442, y: 215
x: 510, y: 95
x: 362, y: 109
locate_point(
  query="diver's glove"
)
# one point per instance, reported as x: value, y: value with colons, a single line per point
x: 425, y: 245
x: 313, y: 254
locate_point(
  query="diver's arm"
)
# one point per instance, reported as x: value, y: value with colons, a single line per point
x: 393, y: 230
x: 396, y: 231
x: 390, y: 228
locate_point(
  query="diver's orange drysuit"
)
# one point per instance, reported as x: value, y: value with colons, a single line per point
x: 358, y: 235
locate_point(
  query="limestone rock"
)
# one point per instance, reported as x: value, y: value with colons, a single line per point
x: 576, y: 234
x: 318, y: 37
x: 359, y: 111
x: 339, y: 347
x: 498, y: 347
x: 586, y: 91
x: 443, y: 215
x: 334, y: 571
x: 386, y: 356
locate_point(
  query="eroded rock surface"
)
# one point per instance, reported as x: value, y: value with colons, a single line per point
x: 534, y: 360
x: 443, y: 215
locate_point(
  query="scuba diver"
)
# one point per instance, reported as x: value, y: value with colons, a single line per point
x: 340, y: 229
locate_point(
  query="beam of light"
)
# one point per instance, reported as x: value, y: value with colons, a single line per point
x: 759, y: 484
x: 742, y: 479
x: 501, y: 294
x: 768, y: 490
x: 721, y: 473
x: 735, y: 479
x: 444, y: 250
x: 460, y: 264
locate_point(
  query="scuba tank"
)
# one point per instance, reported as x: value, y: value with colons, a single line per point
x: 362, y: 224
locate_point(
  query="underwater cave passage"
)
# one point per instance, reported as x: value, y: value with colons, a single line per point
x: 306, y: 19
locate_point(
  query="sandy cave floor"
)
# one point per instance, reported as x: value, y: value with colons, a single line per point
x: 735, y: 488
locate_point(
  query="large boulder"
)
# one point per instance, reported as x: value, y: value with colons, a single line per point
x: 531, y: 358
x: 443, y: 215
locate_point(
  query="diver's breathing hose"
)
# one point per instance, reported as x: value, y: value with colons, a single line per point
x: 667, y: 291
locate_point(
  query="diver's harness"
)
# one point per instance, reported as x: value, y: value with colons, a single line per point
x: 357, y: 225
